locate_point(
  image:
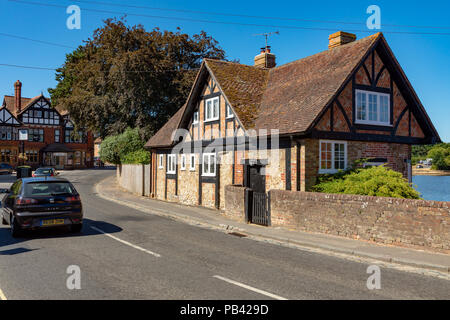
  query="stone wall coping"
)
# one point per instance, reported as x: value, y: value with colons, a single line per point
x: 317, y: 196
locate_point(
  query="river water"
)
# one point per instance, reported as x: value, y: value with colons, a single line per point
x: 433, y: 187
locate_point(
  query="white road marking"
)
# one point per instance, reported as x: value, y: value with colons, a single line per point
x: 2, y: 295
x: 126, y: 242
x: 274, y: 296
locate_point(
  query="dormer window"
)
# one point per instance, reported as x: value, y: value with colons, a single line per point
x: 372, y: 108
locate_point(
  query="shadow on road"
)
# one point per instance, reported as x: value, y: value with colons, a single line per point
x: 58, y: 232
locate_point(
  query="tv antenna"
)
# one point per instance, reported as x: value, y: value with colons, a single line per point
x: 267, y: 35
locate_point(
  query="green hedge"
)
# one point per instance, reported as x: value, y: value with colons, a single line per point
x: 371, y: 181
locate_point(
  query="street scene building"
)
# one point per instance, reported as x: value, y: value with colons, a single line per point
x: 352, y: 101
x: 51, y: 140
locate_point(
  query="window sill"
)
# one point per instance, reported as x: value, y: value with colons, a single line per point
x: 372, y: 123
x: 211, y: 120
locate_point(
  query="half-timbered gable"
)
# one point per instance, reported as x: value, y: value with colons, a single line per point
x: 352, y: 101
x: 50, y: 142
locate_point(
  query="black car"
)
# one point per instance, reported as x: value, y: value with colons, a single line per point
x: 45, y: 172
x: 33, y: 203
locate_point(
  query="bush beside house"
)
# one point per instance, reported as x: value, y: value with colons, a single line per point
x: 125, y: 148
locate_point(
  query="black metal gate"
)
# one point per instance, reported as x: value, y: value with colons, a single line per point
x: 257, y: 200
x: 260, y: 214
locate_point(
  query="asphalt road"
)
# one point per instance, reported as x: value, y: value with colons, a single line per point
x: 127, y: 254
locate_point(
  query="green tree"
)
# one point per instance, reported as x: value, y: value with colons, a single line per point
x: 372, y: 181
x: 128, y: 77
x: 109, y: 152
x: 439, y: 154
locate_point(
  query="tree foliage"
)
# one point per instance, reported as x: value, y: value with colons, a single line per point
x: 371, y: 181
x: 127, y: 147
x: 441, y: 156
x: 128, y: 77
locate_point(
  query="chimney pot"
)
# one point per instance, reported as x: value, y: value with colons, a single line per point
x: 340, y: 38
x: 265, y: 59
x: 18, y: 96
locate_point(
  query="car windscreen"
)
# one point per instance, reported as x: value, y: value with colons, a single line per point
x: 43, y: 171
x: 47, y: 188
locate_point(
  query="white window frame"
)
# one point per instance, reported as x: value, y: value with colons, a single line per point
x: 212, y: 118
x: 195, y: 117
x: 171, y: 163
x: 192, y: 163
x: 377, y: 122
x: 207, y: 173
x: 161, y: 161
x: 183, y: 162
x: 332, y: 169
x: 229, y: 112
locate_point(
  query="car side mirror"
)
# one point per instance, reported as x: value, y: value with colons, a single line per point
x: 4, y: 190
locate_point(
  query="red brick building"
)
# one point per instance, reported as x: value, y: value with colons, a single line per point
x: 349, y: 102
x: 51, y: 137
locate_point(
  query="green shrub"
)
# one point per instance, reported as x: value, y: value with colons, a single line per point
x: 136, y: 157
x: 127, y: 147
x: 372, y: 181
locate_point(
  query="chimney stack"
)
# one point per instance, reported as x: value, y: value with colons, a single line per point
x: 340, y: 38
x: 265, y: 59
x: 18, y: 96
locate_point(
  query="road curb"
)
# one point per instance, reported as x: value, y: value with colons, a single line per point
x: 279, y: 240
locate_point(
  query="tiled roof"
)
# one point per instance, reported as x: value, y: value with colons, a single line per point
x: 9, y: 103
x: 163, y: 137
x: 298, y: 91
x: 242, y: 85
x: 288, y: 97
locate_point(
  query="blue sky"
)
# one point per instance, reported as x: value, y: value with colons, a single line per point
x: 424, y: 57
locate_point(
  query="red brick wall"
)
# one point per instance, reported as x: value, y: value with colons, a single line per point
x: 385, y: 220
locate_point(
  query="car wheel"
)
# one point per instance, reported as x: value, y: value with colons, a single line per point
x: 15, y: 229
x: 76, y: 228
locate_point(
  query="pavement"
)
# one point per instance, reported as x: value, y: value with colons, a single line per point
x: 200, y: 216
x: 157, y: 250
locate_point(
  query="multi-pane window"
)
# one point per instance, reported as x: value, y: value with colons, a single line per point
x: 57, y: 135
x: 36, y: 135
x: 333, y: 156
x: 171, y: 163
x: 32, y: 155
x: 372, y: 108
x: 5, y: 155
x: 36, y: 116
x: 71, y: 137
x: 212, y: 109
x: 209, y: 164
x: 8, y: 133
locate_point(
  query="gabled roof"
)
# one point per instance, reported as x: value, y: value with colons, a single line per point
x: 163, y: 137
x: 9, y: 103
x: 297, y: 92
x: 288, y: 98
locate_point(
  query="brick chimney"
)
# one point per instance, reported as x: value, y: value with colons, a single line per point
x: 340, y: 38
x: 18, y: 96
x: 265, y: 59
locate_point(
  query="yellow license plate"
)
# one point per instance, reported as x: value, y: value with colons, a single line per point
x: 52, y: 222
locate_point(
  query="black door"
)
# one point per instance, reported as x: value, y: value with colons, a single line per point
x: 257, y: 197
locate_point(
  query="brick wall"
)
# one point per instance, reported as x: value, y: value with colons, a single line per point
x: 235, y: 202
x: 384, y: 220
